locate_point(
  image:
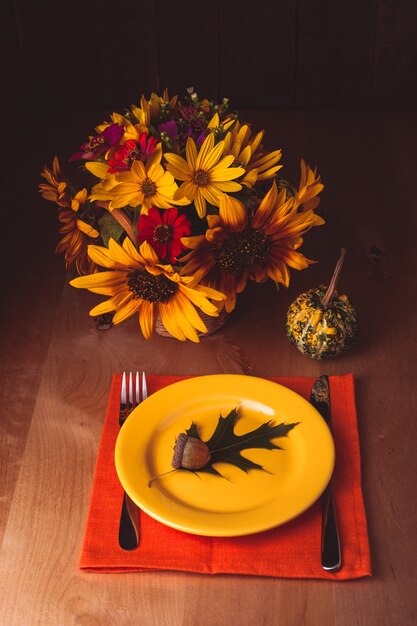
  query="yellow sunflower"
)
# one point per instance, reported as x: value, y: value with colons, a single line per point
x: 205, y: 174
x: 56, y: 187
x: 146, y: 184
x: 77, y: 234
x: 137, y: 283
x: 238, y: 247
x: 309, y: 188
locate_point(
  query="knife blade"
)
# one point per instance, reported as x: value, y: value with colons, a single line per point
x: 331, y: 559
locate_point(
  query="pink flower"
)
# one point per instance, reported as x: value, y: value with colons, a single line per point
x: 99, y: 144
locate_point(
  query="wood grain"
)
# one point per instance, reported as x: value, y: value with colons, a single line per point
x: 301, y: 54
x: 395, y: 55
x: 257, y: 53
x: 335, y: 54
x: 126, y: 46
x: 188, y: 52
x: 59, y: 59
x: 56, y: 370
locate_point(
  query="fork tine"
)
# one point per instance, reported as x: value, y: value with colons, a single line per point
x: 144, y: 387
x: 123, y: 399
x: 129, y: 530
x: 137, y: 398
x: 130, y: 391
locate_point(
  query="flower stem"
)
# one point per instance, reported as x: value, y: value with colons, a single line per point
x: 326, y: 299
x: 121, y: 217
x: 159, y: 475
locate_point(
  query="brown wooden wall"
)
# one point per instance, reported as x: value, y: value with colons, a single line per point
x: 265, y: 54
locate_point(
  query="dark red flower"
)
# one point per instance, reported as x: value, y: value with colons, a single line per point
x: 99, y: 144
x: 132, y: 150
x: 163, y: 230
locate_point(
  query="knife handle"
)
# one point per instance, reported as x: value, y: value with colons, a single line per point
x: 330, y: 543
x: 129, y: 525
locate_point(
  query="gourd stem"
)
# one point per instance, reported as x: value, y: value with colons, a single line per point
x: 326, y: 299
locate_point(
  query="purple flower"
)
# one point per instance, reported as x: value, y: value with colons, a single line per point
x: 198, y: 136
x: 170, y: 128
x: 199, y: 139
x: 99, y: 144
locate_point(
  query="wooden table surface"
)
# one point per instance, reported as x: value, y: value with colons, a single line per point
x: 56, y: 370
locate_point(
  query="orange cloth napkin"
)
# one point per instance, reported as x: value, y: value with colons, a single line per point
x: 288, y: 551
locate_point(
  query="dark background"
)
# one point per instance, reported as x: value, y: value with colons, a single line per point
x: 61, y: 60
x: 65, y: 65
x: 266, y: 54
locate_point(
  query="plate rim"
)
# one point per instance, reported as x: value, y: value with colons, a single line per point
x: 224, y: 532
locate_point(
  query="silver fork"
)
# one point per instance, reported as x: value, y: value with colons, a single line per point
x: 129, y: 530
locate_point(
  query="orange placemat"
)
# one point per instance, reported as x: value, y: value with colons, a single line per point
x: 289, y: 551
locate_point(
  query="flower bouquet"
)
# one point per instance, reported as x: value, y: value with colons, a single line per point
x: 169, y: 208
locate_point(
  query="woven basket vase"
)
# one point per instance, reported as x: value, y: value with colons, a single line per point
x: 212, y: 323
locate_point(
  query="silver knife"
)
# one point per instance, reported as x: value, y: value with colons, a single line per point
x: 331, y: 559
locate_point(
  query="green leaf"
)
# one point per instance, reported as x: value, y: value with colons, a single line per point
x: 193, y: 431
x: 109, y: 228
x: 226, y: 446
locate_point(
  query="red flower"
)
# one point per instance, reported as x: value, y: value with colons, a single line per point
x: 163, y: 231
x: 132, y: 150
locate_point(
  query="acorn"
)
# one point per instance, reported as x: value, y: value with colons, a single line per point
x: 190, y: 453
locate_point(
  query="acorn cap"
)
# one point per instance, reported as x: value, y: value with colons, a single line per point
x: 179, y: 450
x: 190, y: 453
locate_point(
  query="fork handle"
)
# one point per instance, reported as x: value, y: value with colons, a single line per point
x: 129, y: 525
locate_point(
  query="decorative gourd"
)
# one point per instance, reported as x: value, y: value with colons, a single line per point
x: 321, y: 323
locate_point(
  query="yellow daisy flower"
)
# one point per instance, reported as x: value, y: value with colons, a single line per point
x: 146, y: 184
x: 205, y: 174
x: 148, y: 112
x: 137, y: 283
x: 220, y: 128
x: 237, y: 247
x: 142, y: 114
x: 156, y: 103
x: 249, y: 153
x: 116, y: 118
x: 131, y: 129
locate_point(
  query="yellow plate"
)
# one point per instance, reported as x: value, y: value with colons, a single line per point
x: 241, y: 503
